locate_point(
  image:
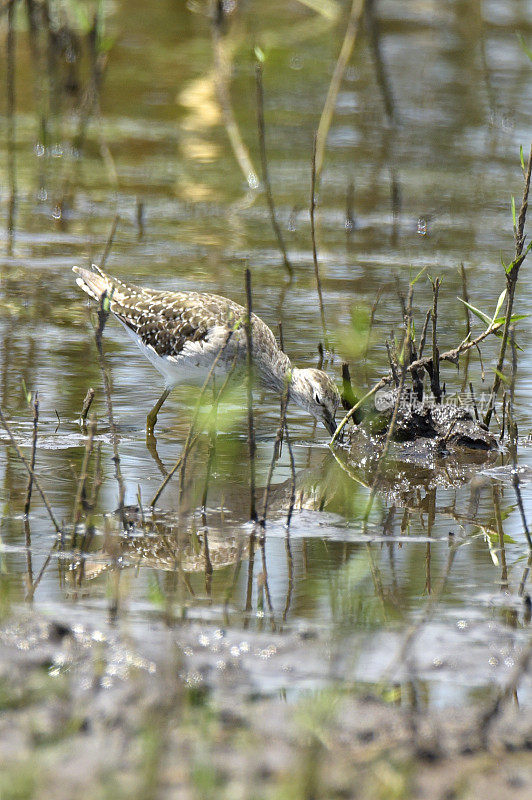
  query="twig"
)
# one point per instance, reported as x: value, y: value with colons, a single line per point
x: 392, y: 363
x: 424, y: 333
x: 292, y: 476
x: 264, y: 580
x: 265, y: 173
x: 89, y: 397
x: 398, y: 399
x: 379, y: 385
x: 290, y: 585
x: 473, y: 401
x: 512, y: 274
x: 249, y: 366
x: 313, y: 236
x: 80, y: 492
x: 33, y: 453
x: 503, y: 423
x: 465, y: 298
x: 30, y: 472
x: 434, y: 372
x: 450, y: 355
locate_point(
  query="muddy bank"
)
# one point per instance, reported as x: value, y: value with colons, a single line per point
x: 71, y: 727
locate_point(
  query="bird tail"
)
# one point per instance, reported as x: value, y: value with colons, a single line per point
x: 94, y: 283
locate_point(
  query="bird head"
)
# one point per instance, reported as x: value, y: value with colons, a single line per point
x: 313, y: 390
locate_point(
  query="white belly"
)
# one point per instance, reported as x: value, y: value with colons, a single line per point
x: 191, y: 366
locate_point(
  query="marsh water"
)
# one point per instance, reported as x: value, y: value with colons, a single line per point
x: 324, y: 600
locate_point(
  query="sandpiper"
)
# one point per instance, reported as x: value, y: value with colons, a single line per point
x: 182, y: 333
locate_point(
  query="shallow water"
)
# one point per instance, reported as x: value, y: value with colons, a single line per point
x: 432, y: 192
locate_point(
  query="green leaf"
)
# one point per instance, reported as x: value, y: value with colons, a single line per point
x: 500, y: 301
x: 513, y: 318
x: 259, y: 54
x: 509, y: 267
x: 499, y: 374
x: 514, y: 220
x: 27, y: 395
x: 418, y: 276
x: 522, y: 157
x: 476, y: 312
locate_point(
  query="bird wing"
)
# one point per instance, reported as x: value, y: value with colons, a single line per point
x: 164, y: 321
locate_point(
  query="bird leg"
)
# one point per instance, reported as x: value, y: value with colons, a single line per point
x: 151, y: 419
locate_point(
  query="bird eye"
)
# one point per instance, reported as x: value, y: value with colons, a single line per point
x: 317, y: 399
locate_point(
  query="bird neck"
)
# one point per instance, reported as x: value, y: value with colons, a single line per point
x: 275, y: 371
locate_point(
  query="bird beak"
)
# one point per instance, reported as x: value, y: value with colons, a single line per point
x: 329, y: 423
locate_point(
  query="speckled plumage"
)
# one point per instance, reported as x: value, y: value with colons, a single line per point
x: 182, y: 333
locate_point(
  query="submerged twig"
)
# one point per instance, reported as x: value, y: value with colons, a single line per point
x: 292, y: 503
x: 249, y: 368
x: 80, y: 492
x: 30, y: 472
x: 33, y: 453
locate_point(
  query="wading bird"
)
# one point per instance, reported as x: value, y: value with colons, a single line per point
x: 183, y: 333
